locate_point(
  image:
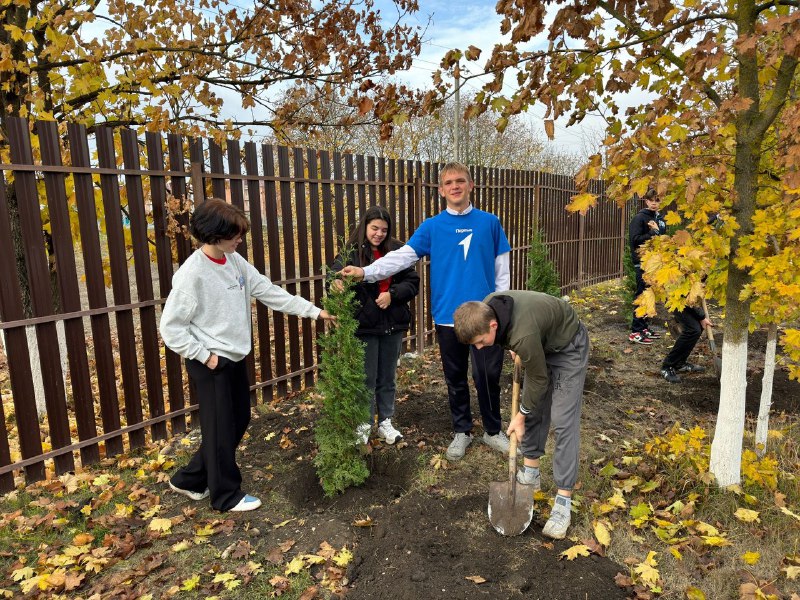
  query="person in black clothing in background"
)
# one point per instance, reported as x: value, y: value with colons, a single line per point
x: 646, y: 224
x: 692, y: 322
x: 383, y: 315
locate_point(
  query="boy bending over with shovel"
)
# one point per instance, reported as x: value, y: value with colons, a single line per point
x: 547, y: 335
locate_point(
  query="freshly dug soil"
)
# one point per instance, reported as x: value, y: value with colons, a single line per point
x: 430, y: 537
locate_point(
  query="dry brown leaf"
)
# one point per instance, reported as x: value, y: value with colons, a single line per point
x: 475, y: 579
x: 309, y: 593
x: 623, y: 580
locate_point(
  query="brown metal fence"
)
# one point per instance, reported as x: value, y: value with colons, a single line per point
x: 103, y: 267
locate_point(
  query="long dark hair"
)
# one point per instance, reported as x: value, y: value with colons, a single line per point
x: 357, y: 243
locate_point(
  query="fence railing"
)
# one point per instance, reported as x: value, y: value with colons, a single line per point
x: 90, y: 222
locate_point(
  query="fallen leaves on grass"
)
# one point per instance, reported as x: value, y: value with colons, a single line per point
x: 602, y: 533
x: 326, y: 566
x: 751, y: 558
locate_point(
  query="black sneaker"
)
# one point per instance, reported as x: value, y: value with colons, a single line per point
x: 690, y: 368
x: 670, y: 375
x: 654, y: 335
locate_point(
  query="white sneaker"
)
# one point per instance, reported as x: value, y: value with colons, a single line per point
x: 362, y: 433
x: 247, y: 503
x: 458, y: 447
x: 558, y: 523
x: 526, y: 477
x: 189, y: 493
x: 498, y: 441
x: 388, y: 433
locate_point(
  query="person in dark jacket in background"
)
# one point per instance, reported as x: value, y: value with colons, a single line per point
x: 383, y: 315
x: 692, y: 322
x: 646, y: 224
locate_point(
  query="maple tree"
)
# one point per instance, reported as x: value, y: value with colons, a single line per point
x: 180, y: 66
x: 173, y: 65
x: 713, y: 126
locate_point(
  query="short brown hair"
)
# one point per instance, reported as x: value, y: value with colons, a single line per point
x: 472, y: 319
x: 216, y: 220
x: 454, y: 166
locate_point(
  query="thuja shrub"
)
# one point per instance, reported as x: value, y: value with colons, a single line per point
x: 628, y: 282
x: 345, y: 398
x: 542, y: 273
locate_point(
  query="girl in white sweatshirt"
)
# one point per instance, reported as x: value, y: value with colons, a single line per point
x: 207, y: 321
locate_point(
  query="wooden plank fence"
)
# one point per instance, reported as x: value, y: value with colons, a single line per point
x: 88, y: 220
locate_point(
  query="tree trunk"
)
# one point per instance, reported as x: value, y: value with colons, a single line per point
x: 726, y: 449
x: 762, y: 425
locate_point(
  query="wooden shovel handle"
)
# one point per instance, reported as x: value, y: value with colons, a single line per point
x: 709, y: 329
x: 512, y: 443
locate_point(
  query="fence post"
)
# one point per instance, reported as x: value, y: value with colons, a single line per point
x: 420, y: 304
x: 581, y: 248
x: 197, y: 184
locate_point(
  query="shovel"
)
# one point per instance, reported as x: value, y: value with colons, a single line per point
x: 511, y: 503
x: 712, y: 344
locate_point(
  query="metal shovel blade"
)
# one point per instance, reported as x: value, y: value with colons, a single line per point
x: 511, y: 503
x: 510, y: 507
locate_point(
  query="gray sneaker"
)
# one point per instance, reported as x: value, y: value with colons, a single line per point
x: 458, y: 447
x: 498, y: 441
x: 558, y: 523
x: 526, y: 478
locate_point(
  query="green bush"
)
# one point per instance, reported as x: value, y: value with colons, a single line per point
x: 628, y: 282
x: 345, y: 405
x: 542, y: 273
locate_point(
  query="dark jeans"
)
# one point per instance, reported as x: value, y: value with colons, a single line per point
x: 690, y: 333
x: 639, y: 323
x: 380, y: 365
x: 224, y: 398
x: 487, y: 365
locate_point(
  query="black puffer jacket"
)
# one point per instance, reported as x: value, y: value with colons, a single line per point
x: 639, y: 231
x: 372, y: 319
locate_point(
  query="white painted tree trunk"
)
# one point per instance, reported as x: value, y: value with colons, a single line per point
x: 726, y: 449
x: 762, y: 425
x: 36, y: 367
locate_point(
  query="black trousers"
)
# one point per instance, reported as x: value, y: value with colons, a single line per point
x: 690, y: 333
x: 224, y: 398
x: 487, y: 365
x: 639, y: 323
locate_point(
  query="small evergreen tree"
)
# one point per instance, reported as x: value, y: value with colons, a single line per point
x: 628, y: 282
x: 542, y: 273
x: 345, y: 405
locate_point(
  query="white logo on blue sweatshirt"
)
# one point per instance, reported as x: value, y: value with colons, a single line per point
x: 466, y: 242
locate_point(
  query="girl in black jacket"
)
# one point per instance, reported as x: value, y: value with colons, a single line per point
x: 382, y: 313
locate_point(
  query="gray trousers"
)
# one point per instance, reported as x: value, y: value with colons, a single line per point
x: 561, y: 406
x: 381, y: 353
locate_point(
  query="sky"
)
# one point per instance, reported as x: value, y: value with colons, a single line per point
x: 475, y: 22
